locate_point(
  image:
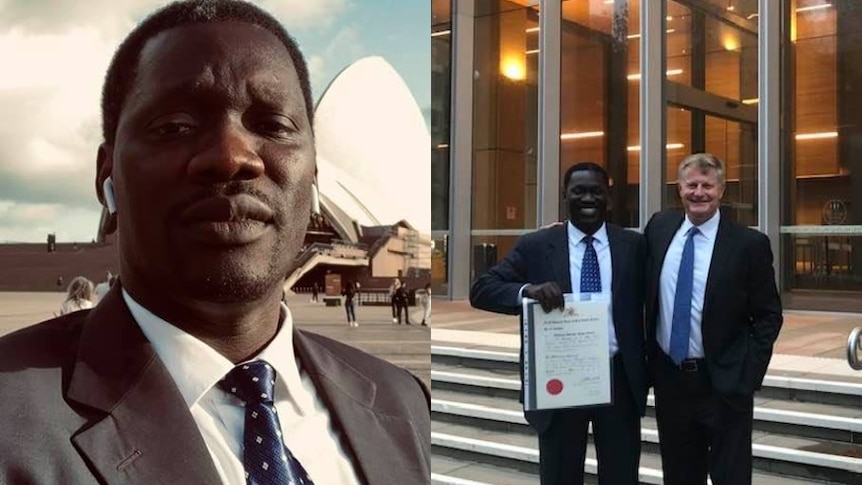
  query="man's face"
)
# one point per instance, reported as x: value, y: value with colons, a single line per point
x: 587, y: 200
x: 212, y: 165
x: 700, y: 192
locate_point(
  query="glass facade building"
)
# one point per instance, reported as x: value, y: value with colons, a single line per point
x: 523, y: 89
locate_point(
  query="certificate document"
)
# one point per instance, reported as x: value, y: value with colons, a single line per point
x: 566, y: 361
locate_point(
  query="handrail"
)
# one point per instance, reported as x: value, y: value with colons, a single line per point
x: 853, y: 342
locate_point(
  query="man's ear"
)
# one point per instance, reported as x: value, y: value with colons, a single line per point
x: 104, y: 169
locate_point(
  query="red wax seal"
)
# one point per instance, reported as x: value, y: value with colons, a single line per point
x: 554, y: 386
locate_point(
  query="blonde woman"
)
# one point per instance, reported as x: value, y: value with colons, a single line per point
x: 79, y: 296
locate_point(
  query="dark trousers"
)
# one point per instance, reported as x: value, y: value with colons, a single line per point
x: 402, y: 307
x: 699, y: 432
x: 616, y: 434
x: 394, y: 305
x: 350, y: 308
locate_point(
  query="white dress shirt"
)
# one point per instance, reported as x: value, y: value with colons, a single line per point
x: 305, y: 422
x: 577, y: 248
x: 704, y: 242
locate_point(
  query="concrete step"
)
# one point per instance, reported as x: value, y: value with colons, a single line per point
x: 464, y: 455
x: 776, y: 384
x: 792, y: 456
x: 807, y: 419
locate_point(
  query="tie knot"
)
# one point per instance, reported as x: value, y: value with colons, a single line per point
x: 252, y: 382
x: 692, y: 231
x: 588, y: 240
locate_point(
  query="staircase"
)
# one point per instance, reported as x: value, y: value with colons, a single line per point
x: 805, y: 431
x: 320, y: 253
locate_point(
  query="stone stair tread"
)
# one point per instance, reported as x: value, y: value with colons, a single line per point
x: 478, y: 472
x: 809, y: 407
x: 648, y: 425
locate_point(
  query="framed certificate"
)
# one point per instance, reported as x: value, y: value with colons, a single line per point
x: 566, y: 361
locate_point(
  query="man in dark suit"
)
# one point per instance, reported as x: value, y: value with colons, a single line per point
x: 191, y: 370
x: 550, y: 262
x: 713, y: 314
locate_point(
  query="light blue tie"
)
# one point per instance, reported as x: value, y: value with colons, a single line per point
x: 591, y: 276
x: 681, y: 323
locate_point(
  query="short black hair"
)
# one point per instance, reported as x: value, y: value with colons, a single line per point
x: 124, y: 66
x: 588, y: 167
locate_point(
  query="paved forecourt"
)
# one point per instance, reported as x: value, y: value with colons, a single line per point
x: 407, y: 346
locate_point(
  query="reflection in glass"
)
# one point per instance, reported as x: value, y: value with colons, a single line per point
x: 505, y: 115
x: 441, y: 84
x: 712, y: 96
x: 599, y: 95
x: 823, y: 145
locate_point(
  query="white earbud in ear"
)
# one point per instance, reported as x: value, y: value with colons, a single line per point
x: 315, y: 199
x: 108, y: 192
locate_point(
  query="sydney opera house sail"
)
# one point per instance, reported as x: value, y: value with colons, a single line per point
x: 373, y: 145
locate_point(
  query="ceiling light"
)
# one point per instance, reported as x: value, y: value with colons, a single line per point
x: 669, y: 146
x: 637, y: 36
x: 670, y: 72
x: 532, y: 51
x: 532, y: 29
x: 813, y: 7
x: 750, y: 101
x: 817, y: 136
x: 579, y: 135
x: 441, y: 33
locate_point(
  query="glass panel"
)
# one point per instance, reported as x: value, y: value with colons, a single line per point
x: 736, y: 144
x: 712, y: 96
x: 440, y: 265
x: 824, y: 262
x: 441, y: 84
x: 600, y: 97
x: 823, y: 145
x: 505, y: 115
x: 677, y: 148
x: 488, y: 251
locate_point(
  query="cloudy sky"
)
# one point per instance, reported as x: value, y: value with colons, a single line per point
x: 54, y: 55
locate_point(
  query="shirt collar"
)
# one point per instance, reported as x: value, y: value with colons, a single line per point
x: 196, y: 367
x: 576, y: 235
x: 708, y: 229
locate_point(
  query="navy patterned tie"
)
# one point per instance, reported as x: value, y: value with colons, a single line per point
x: 680, y: 329
x: 591, y: 276
x: 266, y: 459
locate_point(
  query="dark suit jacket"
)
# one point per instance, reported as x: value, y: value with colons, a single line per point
x: 741, y: 309
x: 543, y: 256
x: 85, y: 399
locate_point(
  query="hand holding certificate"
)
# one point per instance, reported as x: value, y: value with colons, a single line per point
x: 566, y: 362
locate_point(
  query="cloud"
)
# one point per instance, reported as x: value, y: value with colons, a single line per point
x: 32, y: 222
x: 305, y: 14
x: 55, y: 54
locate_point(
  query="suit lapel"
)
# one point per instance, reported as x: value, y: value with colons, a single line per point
x: 557, y: 256
x: 619, y: 259
x: 143, y: 431
x: 721, y: 251
x: 376, y: 440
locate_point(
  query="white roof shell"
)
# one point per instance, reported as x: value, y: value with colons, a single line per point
x: 373, y: 148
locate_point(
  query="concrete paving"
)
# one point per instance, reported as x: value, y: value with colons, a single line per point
x: 811, y: 344
x: 404, y: 345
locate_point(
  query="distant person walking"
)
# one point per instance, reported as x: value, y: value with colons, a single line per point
x: 401, y: 303
x: 103, y: 287
x: 393, y: 290
x: 349, y: 293
x: 79, y: 296
x: 314, y: 292
x: 425, y: 301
